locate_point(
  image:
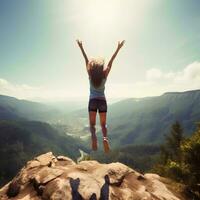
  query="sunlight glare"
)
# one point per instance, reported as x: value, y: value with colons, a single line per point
x: 99, y: 15
x: 105, y: 21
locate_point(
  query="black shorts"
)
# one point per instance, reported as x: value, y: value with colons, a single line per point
x: 97, y: 104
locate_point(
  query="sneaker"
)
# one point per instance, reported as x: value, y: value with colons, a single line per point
x: 94, y: 143
x: 106, y: 144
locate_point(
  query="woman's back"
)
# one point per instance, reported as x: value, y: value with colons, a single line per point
x: 96, y: 92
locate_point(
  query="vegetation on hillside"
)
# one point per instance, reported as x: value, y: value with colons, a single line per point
x: 180, y: 158
x: 20, y: 141
x: 138, y: 157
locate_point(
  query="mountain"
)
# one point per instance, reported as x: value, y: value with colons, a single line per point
x: 58, y: 177
x: 147, y: 120
x: 22, y: 140
x: 13, y: 108
x: 25, y: 133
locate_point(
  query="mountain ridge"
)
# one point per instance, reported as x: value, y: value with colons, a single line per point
x: 141, y: 120
x: 147, y: 120
x: 25, y: 109
x: 187, y: 91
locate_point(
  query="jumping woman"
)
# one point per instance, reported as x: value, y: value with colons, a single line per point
x: 97, y: 100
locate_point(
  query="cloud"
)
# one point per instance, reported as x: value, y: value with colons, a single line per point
x: 41, y: 93
x: 190, y: 73
x: 153, y: 74
x: 22, y: 91
x: 155, y: 82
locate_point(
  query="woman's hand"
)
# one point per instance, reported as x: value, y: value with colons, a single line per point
x: 83, y: 51
x: 79, y: 43
x: 120, y: 44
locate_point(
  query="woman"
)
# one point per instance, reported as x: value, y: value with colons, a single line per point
x: 97, y: 101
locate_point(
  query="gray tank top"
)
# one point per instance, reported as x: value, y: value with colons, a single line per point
x: 97, y: 92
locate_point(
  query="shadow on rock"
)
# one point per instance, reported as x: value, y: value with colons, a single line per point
x: 105, y: 189
x: 93, y: 197
x: 74, y: 183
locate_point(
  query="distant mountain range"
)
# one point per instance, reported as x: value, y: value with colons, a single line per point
x: 130, y: 121
x: 147, y: 120
x: 13, y: 108
x: 23, y: 135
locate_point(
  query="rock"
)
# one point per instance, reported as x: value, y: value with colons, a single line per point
x: 59, y: 178
x: 62, y: 160
x: 13, y: 189
x: 45, y: 159
x: 141, y: 178
x: 159, y: 189
x: 33, y: 164
x: 47, y: 174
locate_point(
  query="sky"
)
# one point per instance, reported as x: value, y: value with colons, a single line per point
x: 40, y: 60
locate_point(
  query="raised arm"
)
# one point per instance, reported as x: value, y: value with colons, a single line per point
x: 83, y: 52
x: 120, y: 44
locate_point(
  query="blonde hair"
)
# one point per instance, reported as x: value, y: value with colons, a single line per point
x: 96, y: 62
x: 96, y: 67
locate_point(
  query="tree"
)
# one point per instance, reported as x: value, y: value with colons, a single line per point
x: 191, y: 158
x: 180, y: 158
x: 171, y: 150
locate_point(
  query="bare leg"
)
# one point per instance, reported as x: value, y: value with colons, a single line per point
x: 92, y: 118
x: 103, y: 123
x: 104, y: 131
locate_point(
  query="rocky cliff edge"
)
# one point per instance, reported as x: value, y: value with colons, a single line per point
x: 60, y: 178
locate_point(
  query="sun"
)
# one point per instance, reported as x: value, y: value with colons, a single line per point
x: 102, y: 14
x: 102, y: 23
x: 95, y: 15
x: 99, y: 15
